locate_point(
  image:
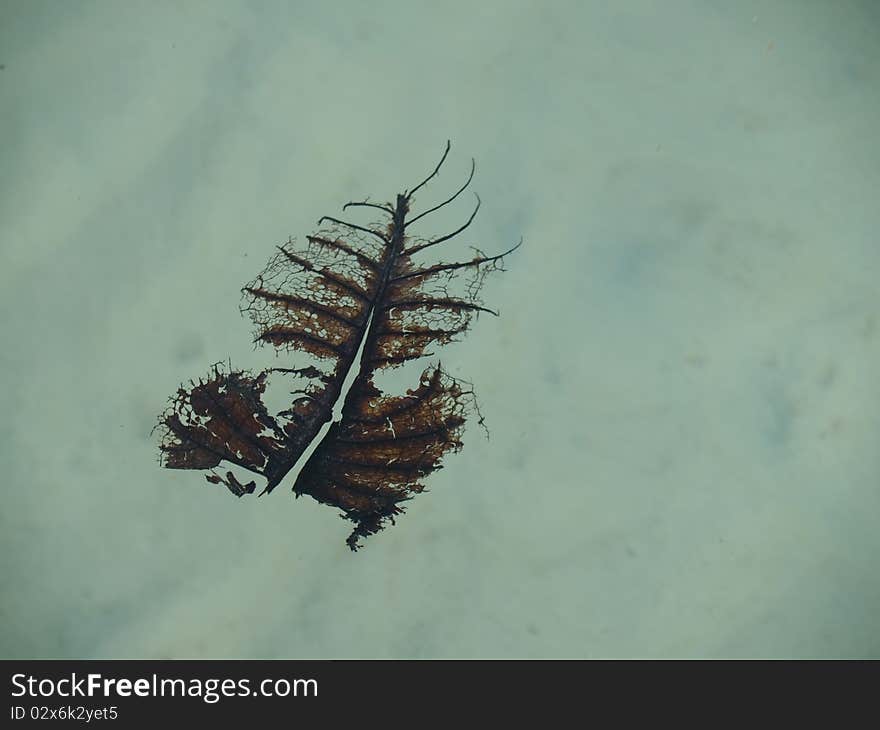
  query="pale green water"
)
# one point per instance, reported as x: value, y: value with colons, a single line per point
x: 682, y: 388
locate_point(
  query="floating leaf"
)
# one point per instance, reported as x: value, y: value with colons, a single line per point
x: 355, y: 300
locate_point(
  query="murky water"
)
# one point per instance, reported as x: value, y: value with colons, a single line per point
x: 681, y: 389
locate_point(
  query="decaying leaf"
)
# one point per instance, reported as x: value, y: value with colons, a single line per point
x: 355, y: 300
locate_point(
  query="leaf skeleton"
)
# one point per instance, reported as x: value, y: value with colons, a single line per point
x: 356, y: 299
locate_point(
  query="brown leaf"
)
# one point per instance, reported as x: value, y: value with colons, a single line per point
x: 354, y: 301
